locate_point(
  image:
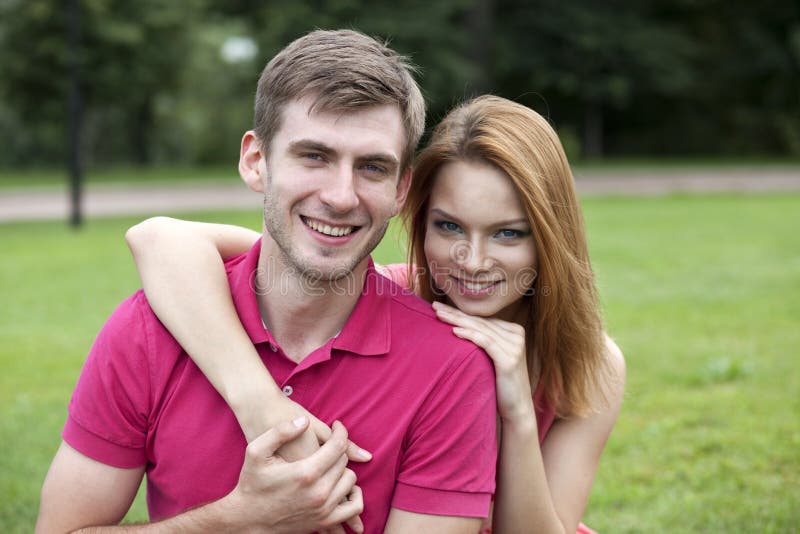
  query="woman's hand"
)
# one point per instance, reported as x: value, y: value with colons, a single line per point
x: 283, y: 409
x: 504, y: 342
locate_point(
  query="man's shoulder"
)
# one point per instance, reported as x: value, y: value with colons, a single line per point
x: 133, y: 321
x: 414, y: 324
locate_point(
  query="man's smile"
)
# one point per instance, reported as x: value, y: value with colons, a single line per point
x: 328, y: 229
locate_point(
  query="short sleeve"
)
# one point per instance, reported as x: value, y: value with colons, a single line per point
x: 448, y: 467
x: 109, y: 410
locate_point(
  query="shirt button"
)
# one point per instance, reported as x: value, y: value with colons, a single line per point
x: 287, y: 390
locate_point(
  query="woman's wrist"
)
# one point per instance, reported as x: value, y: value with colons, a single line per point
x: 259, y: 407
x: 521, y: 420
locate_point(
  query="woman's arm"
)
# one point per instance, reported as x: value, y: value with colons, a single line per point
x: 181, y: 267
x: 545, y: 486
x: 568, y: 458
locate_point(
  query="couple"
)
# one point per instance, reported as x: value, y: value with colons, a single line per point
x: 401, y: 392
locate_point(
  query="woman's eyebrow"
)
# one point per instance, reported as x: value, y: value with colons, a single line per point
x: 441, y: 213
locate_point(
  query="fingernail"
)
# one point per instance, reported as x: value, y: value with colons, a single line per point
x: 300, y: 422
x: 364, y: 454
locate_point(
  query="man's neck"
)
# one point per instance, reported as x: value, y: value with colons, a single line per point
x: 302, y: 314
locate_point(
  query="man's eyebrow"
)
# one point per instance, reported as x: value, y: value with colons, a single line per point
x: 309, y: 144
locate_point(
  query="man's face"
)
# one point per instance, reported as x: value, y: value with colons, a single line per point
x: 331, y: 182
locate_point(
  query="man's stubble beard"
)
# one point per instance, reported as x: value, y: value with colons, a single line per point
x: 279, y: 232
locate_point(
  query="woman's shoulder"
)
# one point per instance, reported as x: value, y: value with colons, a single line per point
x: 614, y: 359
x: 396, y: 272
x: 612, y: 377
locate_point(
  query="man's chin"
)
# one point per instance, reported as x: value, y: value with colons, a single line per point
x: 331, y: 271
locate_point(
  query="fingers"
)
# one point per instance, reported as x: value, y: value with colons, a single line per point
x: 265, y: 445
x: 354, y: 452
x: 342, y: 488
x: 349, y: 510
x: 492, y: 335
x: 322, y: 431
x: 328, y: 457
x: 355, y: 524
x: 456, y: 317
x: 449, y: 314
x: 301, y: 447
x: 481, y: 339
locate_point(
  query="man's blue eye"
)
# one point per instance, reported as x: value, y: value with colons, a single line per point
x: 374, y: 168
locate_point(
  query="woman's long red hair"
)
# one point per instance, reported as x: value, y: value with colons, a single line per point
x: 565, y: 340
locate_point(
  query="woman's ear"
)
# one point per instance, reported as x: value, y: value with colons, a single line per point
x: 251, y: 157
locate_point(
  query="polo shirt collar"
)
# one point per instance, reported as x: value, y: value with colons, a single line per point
x: 366, y: 332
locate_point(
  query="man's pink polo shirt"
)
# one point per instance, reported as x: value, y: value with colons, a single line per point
x: 420, y: 399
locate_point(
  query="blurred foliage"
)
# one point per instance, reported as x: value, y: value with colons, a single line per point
x: 622, y: 77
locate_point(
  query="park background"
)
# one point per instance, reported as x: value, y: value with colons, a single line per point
x: 701, y: 290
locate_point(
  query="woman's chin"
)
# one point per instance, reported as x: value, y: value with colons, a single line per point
x: 475, y: 307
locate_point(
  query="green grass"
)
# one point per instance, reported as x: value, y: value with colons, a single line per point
x: 702, y: 294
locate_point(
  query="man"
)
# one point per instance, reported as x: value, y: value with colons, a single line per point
x: 337, y: 119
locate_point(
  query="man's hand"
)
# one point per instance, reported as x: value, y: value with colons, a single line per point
x: 315, y: 493
x: 317, y: 433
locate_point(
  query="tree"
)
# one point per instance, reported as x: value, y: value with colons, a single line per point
x: 589, y: 58
x: 131, y: 52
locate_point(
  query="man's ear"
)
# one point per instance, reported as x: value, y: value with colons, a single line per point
x: 403, y: 185
x: 251, y: 158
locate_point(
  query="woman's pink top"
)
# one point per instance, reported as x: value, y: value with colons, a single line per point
x: 545, y: 413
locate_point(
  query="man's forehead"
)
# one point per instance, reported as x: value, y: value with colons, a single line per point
x: 378, y: 127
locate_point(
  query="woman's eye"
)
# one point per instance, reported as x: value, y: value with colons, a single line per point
x: 448, y: 226
x: 508, y: 233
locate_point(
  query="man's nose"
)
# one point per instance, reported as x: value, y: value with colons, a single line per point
x: 339, y: 193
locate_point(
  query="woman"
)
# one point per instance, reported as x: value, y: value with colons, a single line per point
x: 497, y: 245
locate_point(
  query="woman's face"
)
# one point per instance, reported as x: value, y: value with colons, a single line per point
x: 478, y: 242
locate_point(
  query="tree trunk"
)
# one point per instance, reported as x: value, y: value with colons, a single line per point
x: 592, y: 146
x: 480, y: 24
x: 75, y: 121
x: 140, y: 132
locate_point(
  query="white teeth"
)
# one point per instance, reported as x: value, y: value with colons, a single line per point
x: 476, y: 287
x: 326, y: 229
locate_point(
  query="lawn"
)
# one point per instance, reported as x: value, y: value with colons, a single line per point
x: 702, y: 294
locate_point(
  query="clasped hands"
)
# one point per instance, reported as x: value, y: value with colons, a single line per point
x: 295, y: 476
